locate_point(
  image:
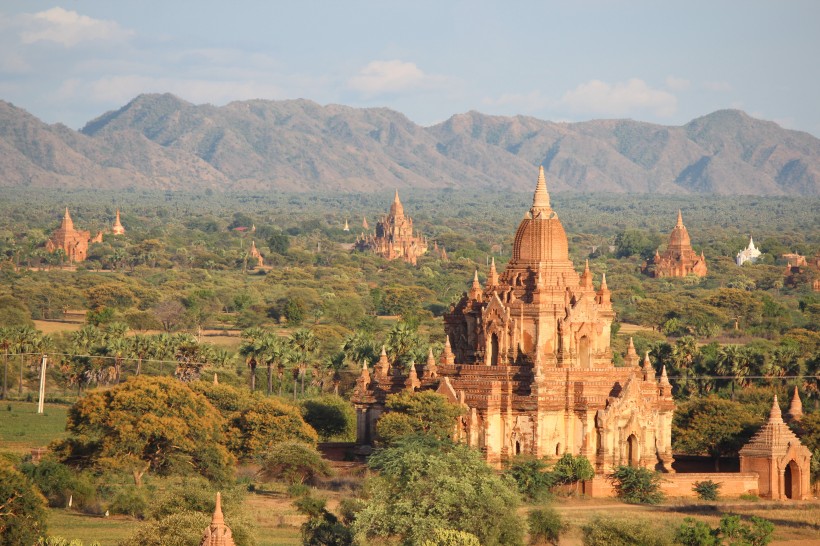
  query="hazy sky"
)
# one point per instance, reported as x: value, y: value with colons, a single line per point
x: 660, y: 61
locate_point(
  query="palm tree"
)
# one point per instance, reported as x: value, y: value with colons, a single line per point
x: 26, y: 341
x: 252, y: 349
x: 141, y: 347
x: 304, y: 343
x: 732, y: 360
x: 273, y: 350
x: 404, y: 344
x: 6, y: 342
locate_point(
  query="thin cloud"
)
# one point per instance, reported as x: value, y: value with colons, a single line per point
x: 721, y: 87
x: 380, y: 77
x: 69, y: 28
x: 120, y: 89
x: 619, y: 99
x: 525, y: 102
x: 677, y: 84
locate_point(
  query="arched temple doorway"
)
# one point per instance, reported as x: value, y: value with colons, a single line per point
x: 583, y: 352
x: 791, y: 481
x: 632, y: 450
x: 494, y: 350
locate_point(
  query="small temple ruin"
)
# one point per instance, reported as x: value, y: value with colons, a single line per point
x: 117, y: 228
x: 749, y: 254
x: 777, y: 456
x: 74, y: 243
x: 255, y: 255
x: 678, y: 260
x: 217, y: 533
x: 528, y: 355
x: 394, y: 237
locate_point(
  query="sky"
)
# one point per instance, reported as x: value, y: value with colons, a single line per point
x: 665, y: 62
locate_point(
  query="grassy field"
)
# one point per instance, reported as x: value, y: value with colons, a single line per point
x: 22, y: 429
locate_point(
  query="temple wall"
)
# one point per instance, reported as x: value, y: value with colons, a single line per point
x: 732, y: 484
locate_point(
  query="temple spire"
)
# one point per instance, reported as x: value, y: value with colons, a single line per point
x: 541, y: 199
x: 632, y: 358
x: 796, y: 407
x: 680, y: 219
x: 775, y: 416
x: 492, y: 277
x: 217, y: 533
x: 68, y: 223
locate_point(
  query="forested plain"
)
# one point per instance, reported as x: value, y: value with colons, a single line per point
x: 178, y: 295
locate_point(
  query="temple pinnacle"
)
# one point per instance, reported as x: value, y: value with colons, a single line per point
x: 541, y: 199
x: 775, y: 416
x: 218, y: 518
x: 680, y: 219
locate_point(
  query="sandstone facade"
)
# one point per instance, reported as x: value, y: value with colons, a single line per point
x: 528, y: 355
x: 72, y: 242
x: 394, y: 237
x: 678, y: 260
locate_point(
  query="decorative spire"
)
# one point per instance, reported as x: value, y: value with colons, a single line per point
x: 216, y: 379
x: 475, y: 289
x: 680, y: 219
x: 775, y: 416
x: 795, y: 412
x: 396, y: 209
x: 541, y: 199
x: 586, y: 277
x: 117, y: 228
x: 347, y: 227
x: 364, y: 223
x: 217, y: 533
x: 68, y: 223
x: 412, y: 383
x: 430, y: 369
x: 664, y: 378
x: 632, y: 358
x: 383, y: 365
x: 492, y: 277
x: 447, y: 357
x: 603, y: 292
x: 648, y: 370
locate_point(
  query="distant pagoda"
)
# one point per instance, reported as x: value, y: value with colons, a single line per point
x: 678, y: 260
x: 394, y: 238
x: 749, y: 254
x: 117, y: 228
x: 72, y: 242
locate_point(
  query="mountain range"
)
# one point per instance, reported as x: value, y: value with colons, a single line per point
x: 163, y: 142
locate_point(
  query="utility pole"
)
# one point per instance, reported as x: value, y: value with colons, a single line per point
x: 42, y: 385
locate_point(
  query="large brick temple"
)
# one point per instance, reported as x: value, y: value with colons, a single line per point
x: 394, y: 237
x: 528, y: 355
x: 678, y: 260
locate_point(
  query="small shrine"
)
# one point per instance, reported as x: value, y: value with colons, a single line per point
x: 678, y: 260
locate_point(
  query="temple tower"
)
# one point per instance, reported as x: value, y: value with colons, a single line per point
x: 217, y: 533
x: 678, y: 260
x: 117, y: 228
x: 394, y: 237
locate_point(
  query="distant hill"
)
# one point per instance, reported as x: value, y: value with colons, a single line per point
x: 161, y: 141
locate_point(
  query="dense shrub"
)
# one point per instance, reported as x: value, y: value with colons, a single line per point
x: 58, y: 483
x: 545, y: 526
x: 532, y: 477
x: 636, y: 485
x: 617, y: 532
x: 294, y: 463
x: 23, y: 515
x: 707, y: 490
x: 330, y: 416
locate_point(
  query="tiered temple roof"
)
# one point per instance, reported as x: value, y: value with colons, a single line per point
x: 678, y: 260
x: 394, y: 237
x: 528, y: 355
x: 72, y: 242
x: 217, y: 533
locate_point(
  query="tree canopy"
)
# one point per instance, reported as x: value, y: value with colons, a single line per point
x: 425, y: 485
x: 147, y: 424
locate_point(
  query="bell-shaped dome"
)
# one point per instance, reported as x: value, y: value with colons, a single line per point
x: 679, y: 238
x: 540, y: 237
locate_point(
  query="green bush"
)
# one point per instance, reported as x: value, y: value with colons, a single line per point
x: 707, y: 490
x: 451, y: 537
x: 294, y: 462
x: 636, y: 485
x: 531, y: 476
x: 331, y: 416
x: 616, y: 532
x: 731, y: 530
x: 545, y: 526
x: 570, y: 469
x: 23, y: 516
x: 130, y: 501
x: 58, y: 483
